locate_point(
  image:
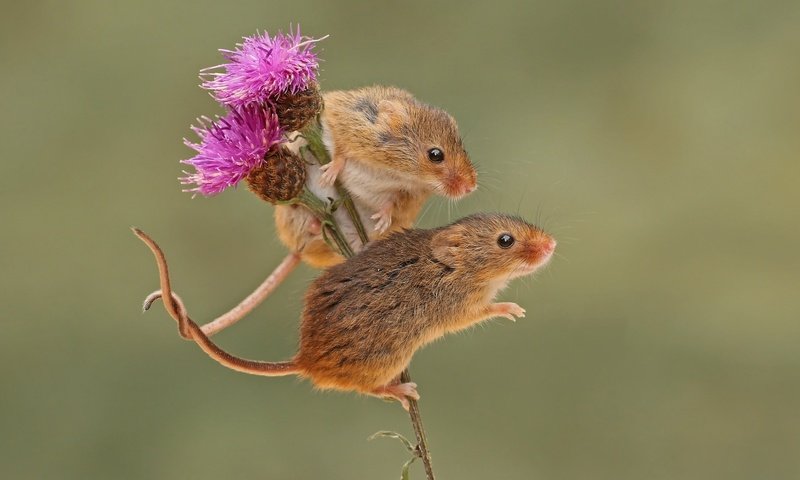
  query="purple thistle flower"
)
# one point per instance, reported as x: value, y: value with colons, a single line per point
x: 262, y: 68
x: 230, y: 148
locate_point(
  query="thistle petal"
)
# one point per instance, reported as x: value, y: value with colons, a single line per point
x: 230, y: 148
x: 262, y: 67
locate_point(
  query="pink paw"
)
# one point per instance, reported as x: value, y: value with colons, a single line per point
x: 314, y: 226
x: 400, y: 392
x: 509, y: 310
x: 330, y: 171
x: 383, y: 220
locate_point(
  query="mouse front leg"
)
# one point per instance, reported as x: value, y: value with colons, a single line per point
x: 331, y: 170
x: 509, y: 310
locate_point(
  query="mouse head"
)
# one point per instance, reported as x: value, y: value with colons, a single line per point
x: 493, y: 247
x: 429, y: 138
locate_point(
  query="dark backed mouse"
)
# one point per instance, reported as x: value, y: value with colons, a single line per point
x: 363, y: 319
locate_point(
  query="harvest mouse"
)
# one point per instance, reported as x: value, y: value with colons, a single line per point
x: 363, y: 319
x: 391, y: 152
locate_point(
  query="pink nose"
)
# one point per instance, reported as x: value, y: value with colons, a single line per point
x: 460, y: 188
x: 549, y: 245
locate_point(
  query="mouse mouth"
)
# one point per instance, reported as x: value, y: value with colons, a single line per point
x: 455, y: 190
x: 529, y: 267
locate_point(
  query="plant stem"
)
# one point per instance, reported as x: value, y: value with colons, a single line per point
x: 313, y: 135
x: 324, y: 213
x: 419, y: 429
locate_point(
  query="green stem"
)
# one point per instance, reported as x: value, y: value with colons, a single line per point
x: 313, y: 135
x: 324, y: 212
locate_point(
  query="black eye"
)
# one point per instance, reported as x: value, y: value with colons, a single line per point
x: 505, y: 240
x: 435, y: 155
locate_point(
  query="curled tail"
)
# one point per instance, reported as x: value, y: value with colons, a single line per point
x: 190, y: 330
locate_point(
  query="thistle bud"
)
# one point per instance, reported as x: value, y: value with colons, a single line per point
x: 295, y: 110
x: 280, y: 177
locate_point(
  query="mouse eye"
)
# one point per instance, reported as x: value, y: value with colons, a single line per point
x: 435, y: 155
x: 505, y: 240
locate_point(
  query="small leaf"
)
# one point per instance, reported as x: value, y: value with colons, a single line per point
x: 411, y: 449
x: 390, y: 434
x: 404, y: 471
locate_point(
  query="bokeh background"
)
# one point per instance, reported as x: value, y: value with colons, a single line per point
x: 658, y: 141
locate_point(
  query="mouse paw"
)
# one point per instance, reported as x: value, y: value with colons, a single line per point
x: 314, y: 226
x: 330, y: 171
x: 383, y: 219
x: 400, y: 392
x: 509, y: 310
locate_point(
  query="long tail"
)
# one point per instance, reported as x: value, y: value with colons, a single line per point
x: 247, y: 305
x: 190, y: 330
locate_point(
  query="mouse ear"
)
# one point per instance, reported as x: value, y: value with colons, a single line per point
x: 445, y: 245
x: 392, y: 112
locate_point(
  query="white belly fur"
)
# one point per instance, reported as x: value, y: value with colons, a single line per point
x: 365, y: 210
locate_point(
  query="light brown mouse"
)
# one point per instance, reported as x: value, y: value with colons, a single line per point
x: 391, y: 152
x: 363, y: 319
x: 387, y: 147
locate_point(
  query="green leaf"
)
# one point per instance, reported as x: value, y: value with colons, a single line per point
x: 389, y: 434
x: 414, y: 451
x: 404, y: 471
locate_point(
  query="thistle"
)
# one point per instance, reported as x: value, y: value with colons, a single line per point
x: 263, y: 68
x: 269, y: 87
x: 230, y: 148
x: 280, y: 177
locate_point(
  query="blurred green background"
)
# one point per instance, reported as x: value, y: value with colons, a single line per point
x: 658, y: 141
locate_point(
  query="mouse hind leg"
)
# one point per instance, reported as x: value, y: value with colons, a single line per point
x: 398, y: 391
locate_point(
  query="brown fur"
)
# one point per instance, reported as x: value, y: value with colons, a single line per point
x: 386, y: 127
x: 364, y: 319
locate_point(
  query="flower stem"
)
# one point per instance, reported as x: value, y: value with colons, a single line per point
x: 324, y: 213
x: 313, y: 135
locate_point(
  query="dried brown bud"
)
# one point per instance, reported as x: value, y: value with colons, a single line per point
x: 295, y: 110
x: 280, y: 177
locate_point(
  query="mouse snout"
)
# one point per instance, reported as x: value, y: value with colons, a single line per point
x: 549, y: 245
x: 539, y: 250
x: 458, y: 184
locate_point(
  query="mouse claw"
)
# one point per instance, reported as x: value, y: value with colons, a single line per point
x: 383, y: 219
x: 382, y: 223
x: 400, y: 392
x: 329, y: 173
x: 509, y: 310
